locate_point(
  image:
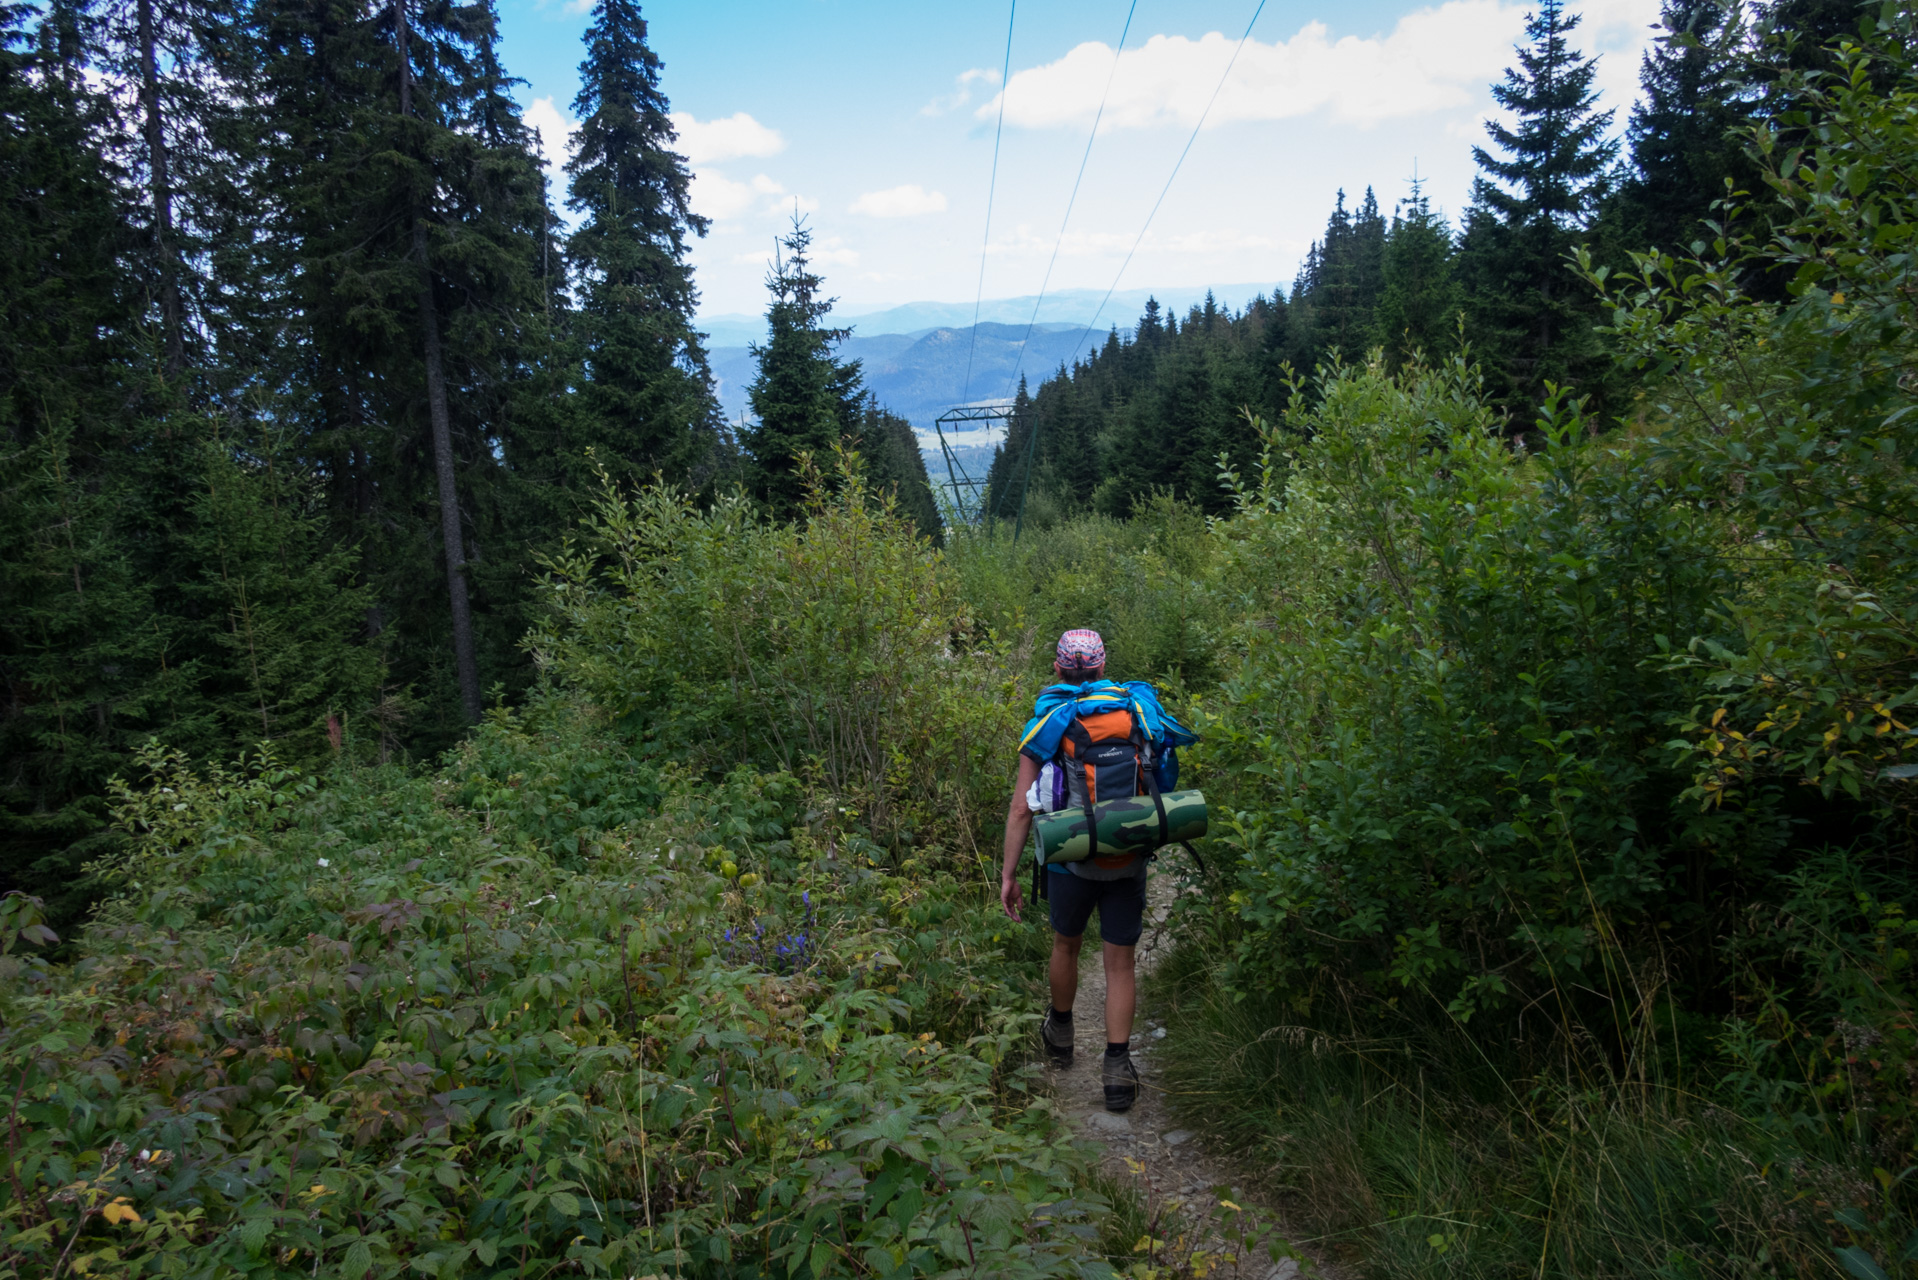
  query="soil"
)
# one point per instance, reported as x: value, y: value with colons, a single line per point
x: 1192, y: 1195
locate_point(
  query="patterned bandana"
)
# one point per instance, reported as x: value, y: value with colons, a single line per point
x: 1081, y: 650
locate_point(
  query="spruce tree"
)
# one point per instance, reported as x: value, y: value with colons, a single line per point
x: 1346, y: 279
x: 1529, y: 317
x: 1418, y: 306
x: 801, y: 393
x: 645, y: 402
x: 183, y: 68
x: 895, y: 465
x: 1694, y: 98
x: 408, y: 224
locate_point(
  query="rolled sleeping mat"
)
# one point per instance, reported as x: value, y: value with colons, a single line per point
x: 1130, y: 825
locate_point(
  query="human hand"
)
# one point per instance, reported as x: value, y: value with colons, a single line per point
x: 1009, y: 896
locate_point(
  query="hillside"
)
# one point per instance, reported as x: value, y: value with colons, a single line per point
x: 920, y: 375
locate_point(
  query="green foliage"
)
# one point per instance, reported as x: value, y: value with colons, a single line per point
x: 1530, y: 206
x: 645, y: 401
x: 187, y: 590
x: 360, y: 1027
x: 1802, y: 429
x: 1418, y: 310
x: 1141, y: 415
x: 824, y: 649
x: 1682, y: 132
x: 1570, y: 786
x: 809, y: 403
x: 1442, y: 719
x: 1145, y: 585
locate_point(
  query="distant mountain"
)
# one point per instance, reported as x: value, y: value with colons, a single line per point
x: 920, y: 376
x: 1070, y: 307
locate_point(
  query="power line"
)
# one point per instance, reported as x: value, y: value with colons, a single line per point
x: 1073, y: 198
x: 992, y: 185
x: 1168, y: 179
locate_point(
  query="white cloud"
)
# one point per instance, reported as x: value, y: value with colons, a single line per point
x: 831, y: 251
x: 716, y: 196
x: 556, y: 131
x: 727, y: 138
x: 1435, y: 59
x: 908, y: 201
x: 984, y: 76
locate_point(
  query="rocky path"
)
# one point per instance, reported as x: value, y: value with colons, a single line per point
x: 1202, y: 1222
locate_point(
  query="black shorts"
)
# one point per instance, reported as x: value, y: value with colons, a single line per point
x: 1121, y: 905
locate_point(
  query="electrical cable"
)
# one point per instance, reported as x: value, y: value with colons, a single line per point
x: 1233, y: 61
x: 1073, y: 198
x: 992, y: 186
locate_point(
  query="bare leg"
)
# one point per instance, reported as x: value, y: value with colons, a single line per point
x: 1064, y: 972
x: 1121, y: 994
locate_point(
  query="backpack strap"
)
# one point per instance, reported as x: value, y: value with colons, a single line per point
x: 1151, y: 767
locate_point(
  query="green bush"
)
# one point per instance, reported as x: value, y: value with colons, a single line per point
x: 838, y: 650
x: 1444, y: 734
x: 1568, y: 785
x: 1143, y: 584
x: 353, y: 1026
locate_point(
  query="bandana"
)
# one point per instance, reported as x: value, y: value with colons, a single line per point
x: 1081, y: 650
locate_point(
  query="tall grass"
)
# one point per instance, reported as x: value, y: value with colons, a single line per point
x: 1412, y: 1146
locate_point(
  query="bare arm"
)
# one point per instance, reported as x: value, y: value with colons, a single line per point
x: 1018, y: 828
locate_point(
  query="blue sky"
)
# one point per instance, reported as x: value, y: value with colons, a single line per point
x: 877, y: 121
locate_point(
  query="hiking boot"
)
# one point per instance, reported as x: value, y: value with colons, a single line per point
x: 1058, y: 1039
x: 1121, y: 1082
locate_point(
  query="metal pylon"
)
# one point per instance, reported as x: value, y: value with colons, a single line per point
x: 967, y: 492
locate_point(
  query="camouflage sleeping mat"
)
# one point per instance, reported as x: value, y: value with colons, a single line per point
x: 1130, y: 825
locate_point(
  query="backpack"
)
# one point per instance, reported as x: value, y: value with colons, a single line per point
x: 1104, y: 756
x: 1108, y: 741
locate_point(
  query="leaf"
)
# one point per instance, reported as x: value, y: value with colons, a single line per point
x: 1860, y: 1264
x: 484, y: 1251
x: 566, y: 1202
x: 254, y: 1232
x: 358, y: 1261
x: 119, y: 1211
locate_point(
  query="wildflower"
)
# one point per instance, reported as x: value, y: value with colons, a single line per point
x: 325, y: 863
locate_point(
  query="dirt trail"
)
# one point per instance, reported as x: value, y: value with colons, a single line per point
x: 1170, y: 1166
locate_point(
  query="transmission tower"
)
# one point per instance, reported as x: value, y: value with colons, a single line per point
x: 968, y: 492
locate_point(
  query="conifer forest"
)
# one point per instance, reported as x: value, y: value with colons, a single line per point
x: 468, y: 808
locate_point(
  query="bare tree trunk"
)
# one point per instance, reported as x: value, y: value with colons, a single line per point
x: 450, y: 532
x: 170, y: 318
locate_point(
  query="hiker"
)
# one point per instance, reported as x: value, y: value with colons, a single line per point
x: 1090, y: 739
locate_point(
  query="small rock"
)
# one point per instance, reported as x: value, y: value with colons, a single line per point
x: 1109, y: 1122
x: 1286, y: 1270
x: 1158, y: 1033
x: 1177, y: 1136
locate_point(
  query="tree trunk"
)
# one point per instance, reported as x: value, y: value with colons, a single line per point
x: 450, y: 532
x: 170, y: 319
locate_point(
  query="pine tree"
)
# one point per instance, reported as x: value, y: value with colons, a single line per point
x: 65, y: 315
x: 1418, y: 307
x: 1683, y: 149
x: 183, y: 67
x: 408, y: 225
x: 1529, y: 317
x: 801, y: 392
x: 1346, y: 279
x: 646, y: 402
x: 895, y: 465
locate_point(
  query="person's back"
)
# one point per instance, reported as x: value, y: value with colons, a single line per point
x: 1090, y: 740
